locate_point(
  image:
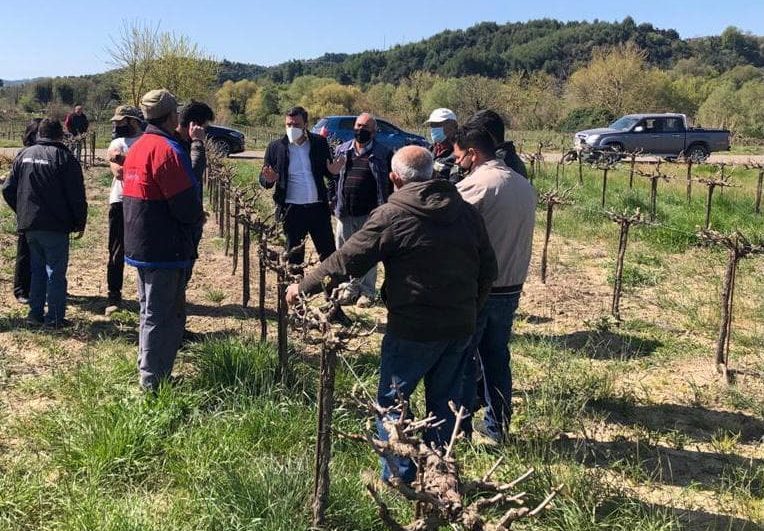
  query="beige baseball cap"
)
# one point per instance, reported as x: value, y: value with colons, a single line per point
x: 157, y: 103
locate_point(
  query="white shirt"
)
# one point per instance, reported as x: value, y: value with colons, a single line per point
x: 120, y: 145
x: 301, y: 186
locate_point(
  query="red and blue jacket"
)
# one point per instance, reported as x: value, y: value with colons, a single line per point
x: 161, y: 201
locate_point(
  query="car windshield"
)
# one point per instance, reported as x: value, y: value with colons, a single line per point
x: 624, y: 124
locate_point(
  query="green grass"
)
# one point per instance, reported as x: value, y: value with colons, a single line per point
x: 229, y: 447
x: 677, y: 221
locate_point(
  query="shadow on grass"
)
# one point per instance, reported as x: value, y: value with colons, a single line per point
x: 687, y: 519
x: 694, y: 519
x: 603, y: 345
x: 96, y: 304
x: 698, y: 423
x: 661, y: 464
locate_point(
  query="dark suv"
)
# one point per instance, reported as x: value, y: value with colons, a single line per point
x: 340, y: 129
x: 227, y: 140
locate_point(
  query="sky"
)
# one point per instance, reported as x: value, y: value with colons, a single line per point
x: 54, y: 38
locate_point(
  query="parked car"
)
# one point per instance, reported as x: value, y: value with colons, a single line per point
x: 340, y: 129
x: 667, y: 135
x: 225, y: 139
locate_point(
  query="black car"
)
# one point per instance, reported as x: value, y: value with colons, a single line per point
x: 225, y: 139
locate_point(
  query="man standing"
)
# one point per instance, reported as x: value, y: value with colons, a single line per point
x: 363, y: 185
x: 76, y: 124
x: 431, y: 310
x: 297, y: 165
x: 191, y: 131
x: 22, y: 274
x: 127, y: 122
x: 492, y: 122
x: 162, y: 209
x: 443, y: 125
x: 47, y: 191
x: 507, y: 203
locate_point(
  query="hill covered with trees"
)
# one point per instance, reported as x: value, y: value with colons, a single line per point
x: 497, y: 50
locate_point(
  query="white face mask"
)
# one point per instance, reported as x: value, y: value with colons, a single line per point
x: 294, y: 134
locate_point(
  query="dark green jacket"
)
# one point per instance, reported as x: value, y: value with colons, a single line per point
x: 439, y: 264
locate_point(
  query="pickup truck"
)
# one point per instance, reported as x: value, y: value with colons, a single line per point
x: 666, y: 135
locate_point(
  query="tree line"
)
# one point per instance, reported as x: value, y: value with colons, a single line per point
x: 541, y: 75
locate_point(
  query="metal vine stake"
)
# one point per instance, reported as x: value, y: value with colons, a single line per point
x: 606, y: 165
x: 632, y: 166
x: 751, y: 165
x: 721, y: 181
x: 738, y: 247
x: 655, y: 176
x: 551, y: 199
x: 625, y: 220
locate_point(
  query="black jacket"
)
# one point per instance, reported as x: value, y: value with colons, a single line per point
x: 506, y: 152
x: 46, y: 189
x: 277, y: 157
x: 439, y: 264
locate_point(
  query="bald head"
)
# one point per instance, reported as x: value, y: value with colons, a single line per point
x: 366, y: 120
x: 411, y: 164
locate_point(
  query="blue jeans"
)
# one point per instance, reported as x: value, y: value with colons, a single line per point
x: 488, y: 352
x: 50, y: 258
x: 403, y: 365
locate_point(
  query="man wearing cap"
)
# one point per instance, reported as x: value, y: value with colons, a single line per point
x: 443, y: 125
x: 162, y: 208
x: 126, y: 124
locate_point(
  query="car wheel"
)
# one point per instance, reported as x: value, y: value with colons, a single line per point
x: 613, y: 153
x: 697, y: 153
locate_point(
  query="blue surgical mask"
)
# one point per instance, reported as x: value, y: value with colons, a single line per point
x: 438, y: 134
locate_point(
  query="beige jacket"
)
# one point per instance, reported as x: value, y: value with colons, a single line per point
x: 507, y: 202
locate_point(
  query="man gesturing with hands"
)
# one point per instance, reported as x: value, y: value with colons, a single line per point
x: 297, y: 166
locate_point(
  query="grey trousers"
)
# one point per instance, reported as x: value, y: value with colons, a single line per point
x: 346, y: 227
x: 162, y: 297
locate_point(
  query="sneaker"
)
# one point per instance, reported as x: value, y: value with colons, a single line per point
x: 486, y: 433
x: 364, y: 302
x: 110, y: 309
x: 21, y: 299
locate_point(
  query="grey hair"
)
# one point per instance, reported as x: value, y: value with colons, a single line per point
x: 412, y: 164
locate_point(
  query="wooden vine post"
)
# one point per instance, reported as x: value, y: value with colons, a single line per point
x: 720, y: 181
x: 738, y: 247
x: 625, y: 220
x: 550, y: 199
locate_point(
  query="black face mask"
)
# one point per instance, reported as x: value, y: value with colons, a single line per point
x: 362, y: 135
x: 121, y: 131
